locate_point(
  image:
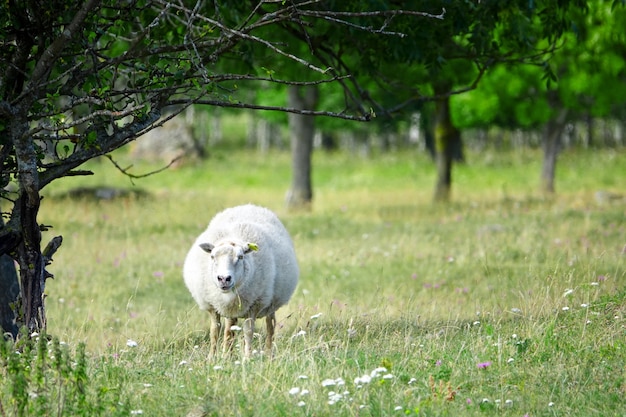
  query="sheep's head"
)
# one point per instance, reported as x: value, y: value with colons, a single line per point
x: 228, y: 262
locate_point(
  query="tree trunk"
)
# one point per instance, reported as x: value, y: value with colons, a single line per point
x: 24, y: 219
x: 9, y: 292
x: 552, y: 144
x: 302, y: 130
x: 448, y: 147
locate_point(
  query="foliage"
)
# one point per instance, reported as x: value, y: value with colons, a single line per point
x: 45, y: 378
x: 588, y: 66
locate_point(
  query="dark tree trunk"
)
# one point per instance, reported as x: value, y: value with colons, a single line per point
x: 28, y: 252
x: 9, y: 292
x: 302, y: 130
x: 552, y: 144
x: 448, y: 148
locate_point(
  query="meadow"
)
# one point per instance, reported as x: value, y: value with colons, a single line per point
x: 503, y: 302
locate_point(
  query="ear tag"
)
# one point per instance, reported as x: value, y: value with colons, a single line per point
x: 253, y: 246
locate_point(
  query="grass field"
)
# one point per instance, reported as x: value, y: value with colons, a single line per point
x: 504, y: 302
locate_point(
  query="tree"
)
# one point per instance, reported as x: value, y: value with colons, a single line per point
x: 585, y: 80
x: 81, y: 79
x: 435, y: 59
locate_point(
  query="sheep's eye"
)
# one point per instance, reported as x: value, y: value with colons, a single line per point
x: 240, y: 257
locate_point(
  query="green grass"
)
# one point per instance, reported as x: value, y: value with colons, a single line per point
x: 533, y: 288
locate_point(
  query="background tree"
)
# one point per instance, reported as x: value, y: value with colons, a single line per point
x: 586, y: 80
x: 433, y: 59
x: 81, y: 79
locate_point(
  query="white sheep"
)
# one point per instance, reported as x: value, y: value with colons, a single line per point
x: 242, y: 266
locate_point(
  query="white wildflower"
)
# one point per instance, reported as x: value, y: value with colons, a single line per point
x: 294, y: 391
x: 131, y: 343
x: 365, y: 379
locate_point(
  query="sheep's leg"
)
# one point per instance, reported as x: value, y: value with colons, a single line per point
x: 248, y: 334
x: 228, y: 335
x: 270, y: 322
x: 215, y: 331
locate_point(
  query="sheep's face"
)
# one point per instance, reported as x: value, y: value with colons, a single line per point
x: 227, y: 263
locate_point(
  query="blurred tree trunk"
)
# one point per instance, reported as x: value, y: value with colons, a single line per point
x: 448, y: 144
x: 9, y: 292
x: 302, y: 130
x: 552, y: 142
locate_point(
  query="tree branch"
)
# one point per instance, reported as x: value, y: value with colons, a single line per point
x: 53, y: 52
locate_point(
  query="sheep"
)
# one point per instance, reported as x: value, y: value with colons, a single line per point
x: 242, y: 266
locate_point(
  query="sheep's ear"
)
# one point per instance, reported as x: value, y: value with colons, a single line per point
x: 251, y: 247
x: 207, y: 247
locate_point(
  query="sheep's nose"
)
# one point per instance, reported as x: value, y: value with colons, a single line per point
x: 224, y: 278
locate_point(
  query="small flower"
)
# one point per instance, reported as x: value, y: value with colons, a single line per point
x: 378, y: 371
x: 469, y: 401
x: 565, y: 308
x: 550, y: 404
x: 131, y: 343
x: 510, y: 360
x: 135, y: 412
x: 567, y: 292
x: 316, y: 316
x: 304, y: 392
x: 301, y: 403
x: 328, y: 382
x: 303, y: 377
x: 235, y: 328
x: 516, y: 310
x: 218, y: 367
x: 508, y: 403
x: 438, y: 363
x: 412, y: 381
x: 365, y: 379
x: 294, y: 391
x: 388, y: 376
x: 584, y: 305
x: 484, y: 365
x: 398, y: 408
